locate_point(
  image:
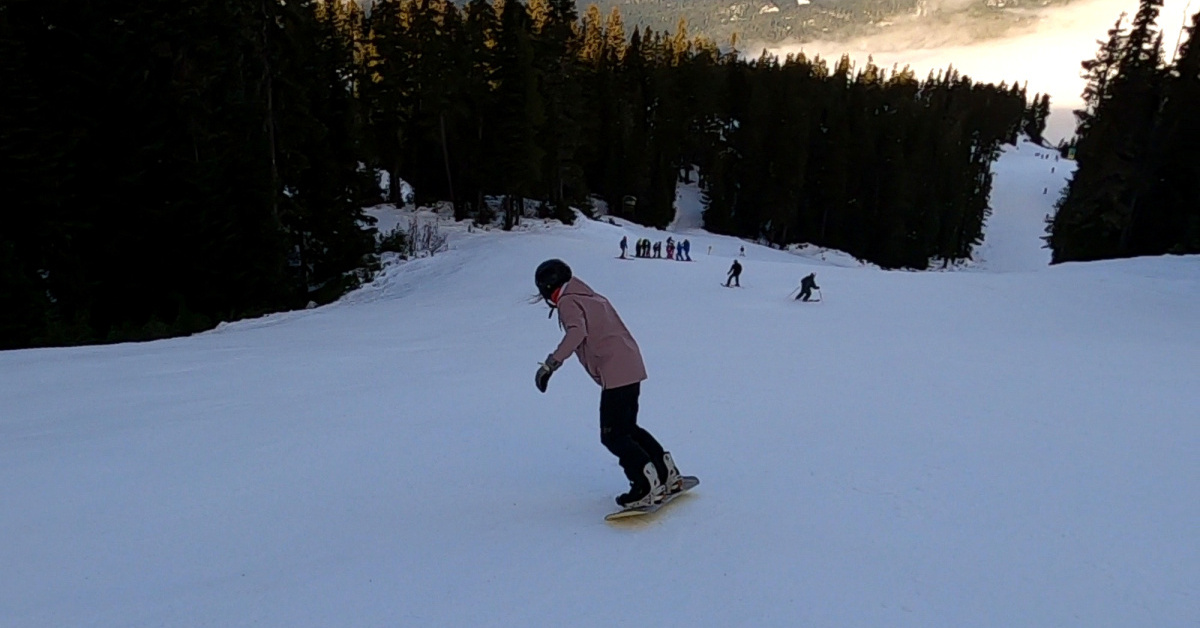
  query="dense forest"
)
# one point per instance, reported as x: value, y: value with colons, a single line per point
x: 165, y: 165
x: 1136, y: 190
x: 168, y: 165
x: 883, y: 166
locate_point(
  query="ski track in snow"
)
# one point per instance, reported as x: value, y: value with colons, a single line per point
x: 1010, y: 446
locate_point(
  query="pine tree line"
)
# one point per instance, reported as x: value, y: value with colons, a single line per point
x: 1136, y: 190
x: 172, y: 164
x: 531, y: 102
x: 891, y: 169
x: 528, y: 103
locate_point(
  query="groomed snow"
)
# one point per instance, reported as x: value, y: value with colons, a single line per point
x: 1011, y: 446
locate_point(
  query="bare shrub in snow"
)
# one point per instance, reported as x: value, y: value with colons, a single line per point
x: 425, y: 240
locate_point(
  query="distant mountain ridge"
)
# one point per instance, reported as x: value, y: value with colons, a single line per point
x: 778, y: 21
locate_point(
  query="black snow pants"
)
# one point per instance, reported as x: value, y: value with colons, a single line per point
x: 619, y: 432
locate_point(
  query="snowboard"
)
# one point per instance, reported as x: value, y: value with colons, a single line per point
x: 689, y: 482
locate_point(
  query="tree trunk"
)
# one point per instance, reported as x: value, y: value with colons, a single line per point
x: 446, y: 155
x: 269, y: 86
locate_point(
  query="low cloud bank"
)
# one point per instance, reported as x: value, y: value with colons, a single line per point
x: 1043, y: 49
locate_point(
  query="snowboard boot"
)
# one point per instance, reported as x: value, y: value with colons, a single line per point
x: 643, y: 492
x: 674, y: 481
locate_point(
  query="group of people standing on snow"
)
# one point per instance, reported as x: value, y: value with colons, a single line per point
x: 679, y: 251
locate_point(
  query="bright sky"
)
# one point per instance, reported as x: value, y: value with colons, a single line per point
x: 1047, y: 55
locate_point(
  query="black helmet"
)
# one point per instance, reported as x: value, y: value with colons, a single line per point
x: 551, y: 274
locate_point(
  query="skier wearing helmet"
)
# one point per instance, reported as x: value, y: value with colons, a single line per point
x: 597, y: 336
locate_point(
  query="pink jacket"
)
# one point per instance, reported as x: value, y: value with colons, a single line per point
x: 595, y: 333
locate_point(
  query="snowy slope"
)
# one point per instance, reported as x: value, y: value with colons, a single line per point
x: 1027, y: 182
x: 919, y: 449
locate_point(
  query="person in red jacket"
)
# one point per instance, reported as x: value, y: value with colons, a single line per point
x: 607, y: 351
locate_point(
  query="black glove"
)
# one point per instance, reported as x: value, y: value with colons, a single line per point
x: 545, y: 370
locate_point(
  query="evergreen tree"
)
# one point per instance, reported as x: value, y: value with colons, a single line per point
x: 592, y: 50
x: 480, y: 173
x: 1096, y: 217
x: 519, y: 111
x: 1170, y: 217
x: 384, y: 90
x: 614, y: 38
x: 558, y: 49
x: 1099, y: 73
x: 1034, y: 124
x: 322, y: 189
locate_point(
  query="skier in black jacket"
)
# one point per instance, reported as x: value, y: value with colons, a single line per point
x: 735, y: 272
x: 807, y: 285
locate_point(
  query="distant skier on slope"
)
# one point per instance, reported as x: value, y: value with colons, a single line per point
x: 807, y: 285
x: 624, y: 245
x: 607, y: 351
x: 735, y: 272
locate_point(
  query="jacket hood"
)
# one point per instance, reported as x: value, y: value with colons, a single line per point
x: 576, y: 287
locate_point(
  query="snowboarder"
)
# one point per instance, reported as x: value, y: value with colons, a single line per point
x: 607, y: 351
x: 687, y: 250
x: 807, y: 284
x: 735, y: 272
x: 624, y: 245
x: 658, y: 249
